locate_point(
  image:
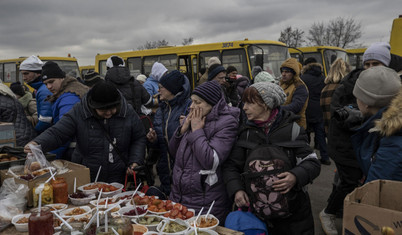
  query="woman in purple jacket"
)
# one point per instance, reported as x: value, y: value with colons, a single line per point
x: 200, y: 146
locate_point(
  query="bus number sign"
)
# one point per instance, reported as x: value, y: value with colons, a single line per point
x: 227, y: 44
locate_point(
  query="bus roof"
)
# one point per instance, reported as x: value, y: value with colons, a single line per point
x: 314, y: 49
x: 189, y: 49
x: 20, y: 59
x: 356, y: 50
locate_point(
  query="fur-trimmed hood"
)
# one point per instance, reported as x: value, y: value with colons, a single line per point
x: 391, y: 120
x: 71, y: 85
x: 313, y: 68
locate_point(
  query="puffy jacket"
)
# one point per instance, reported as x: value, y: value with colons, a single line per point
x: 151, y: 85
x: 166, y: 121
x: 196, y: 151
x: 314, y: 80
x: 12, y: 111
x: 377, y: 143
x: 43, y: 106
x: 92, y: 148
x: 307, y: 169
x: 132, y: 90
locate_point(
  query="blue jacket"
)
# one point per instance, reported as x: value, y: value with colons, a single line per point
x: 43, y: 106
x: 151, y: 85
x: 166, y: 121
x: 386, y: 137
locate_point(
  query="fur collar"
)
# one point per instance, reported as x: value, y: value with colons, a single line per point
x: 71, y: 85
x: 391, y: 120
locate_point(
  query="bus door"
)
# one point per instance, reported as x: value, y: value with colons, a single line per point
x: 185, y: 66
x: 236, y: 58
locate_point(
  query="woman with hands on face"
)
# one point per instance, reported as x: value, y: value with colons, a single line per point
x: 268, y: 123
x: 200, y: 146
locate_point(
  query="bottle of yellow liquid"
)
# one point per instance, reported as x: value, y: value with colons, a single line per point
x: 47, y: 194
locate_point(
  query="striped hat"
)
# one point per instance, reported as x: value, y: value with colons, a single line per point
x: 209, y: 91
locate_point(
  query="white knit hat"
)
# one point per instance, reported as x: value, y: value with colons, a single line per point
x: 32, y: 63
x: 272, y: 94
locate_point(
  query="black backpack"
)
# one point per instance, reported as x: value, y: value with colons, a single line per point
x: 264, y: 162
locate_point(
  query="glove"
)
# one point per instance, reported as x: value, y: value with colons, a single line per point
x: 354, y: 118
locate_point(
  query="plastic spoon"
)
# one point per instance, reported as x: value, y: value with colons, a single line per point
x: 106, y: 202
x: 97, y: 175
x: 51, y: 173
x: 135, y: 191
x: 100, y: 193
x: 62, y: 220
x: 75, y: 184
x: 199, y: 213
x: 114, y: 231
x: 91, y: 220
x: 39, y: 189
x: 209, y: 210
x: 51, y: 176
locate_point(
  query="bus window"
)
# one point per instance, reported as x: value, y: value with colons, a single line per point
x: 102, y: 68
x: 148, y: 62
x: 10, y: 72
x: 134, y: 64
x: 205, y: 56
x: 272, y: 57
x: 1, y: 72
x: 331, y: 55
x: 315, y: 55
x: 169, y: 61
x: 69, y: 67
x: 236, y: 58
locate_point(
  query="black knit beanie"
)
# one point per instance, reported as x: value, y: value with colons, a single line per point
x: 103, y: 96
x: 52, y: 70
x: 173, y: 81
x: 214, y: 70
x: 17, y: 88
x: 209, y: 91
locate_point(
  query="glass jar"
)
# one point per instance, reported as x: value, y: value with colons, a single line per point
x: 47, y: 194
x: 41, y: 223
x: 78, y: 228
x: 60, y: 190
x: 123, y: 226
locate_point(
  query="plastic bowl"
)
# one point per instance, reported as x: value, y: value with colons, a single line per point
x: 139, y: 229
x: 112, y: 193
x: 179, y: 221
x: 201, y: 232
x: 202, y: 217
x: 65, y: 213
x: 22, y: 227
x: 57, y: 207
x: 151, y: 227
x: 126, y: 209
x: 102, y: 201
x: 89, y: 191
x: 81, y: 201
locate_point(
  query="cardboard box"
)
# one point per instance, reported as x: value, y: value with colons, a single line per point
x: 75, y: 170
x: 373, y: 208
x: 7, y: 134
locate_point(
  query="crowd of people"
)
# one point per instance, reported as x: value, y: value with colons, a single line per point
x: 238, y: 142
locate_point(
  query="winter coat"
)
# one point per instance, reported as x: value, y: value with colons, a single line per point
x: 12, y: 111
x: 197, y: 151
x: 70, y: 93
x: 29, y: 105
x: 307, y: 169
x: 151, y: 85
x: 340, y: 148
x: 296, y: 93
x: 325, y: 102
x: 314, y: 80
x: 132, y: 90
x: 377, y: 143
x: 93, y: 148
x: 43, y: 106
x: 166, y: 121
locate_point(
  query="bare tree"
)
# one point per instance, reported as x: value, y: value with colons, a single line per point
x: 153, y: 44
x: 339, y: 32
x: 292, y: 38
x: 187, y: 41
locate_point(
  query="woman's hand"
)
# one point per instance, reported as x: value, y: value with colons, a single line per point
x: 151, y: 136
x: 285, y: 183
x: 130, y: 168
x: 187, y: 122
x: 197, y: 121
x: 241, y: 199
x: 27, y: 149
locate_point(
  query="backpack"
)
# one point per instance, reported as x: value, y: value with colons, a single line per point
x: 245, y: 222
x: 263, y: 164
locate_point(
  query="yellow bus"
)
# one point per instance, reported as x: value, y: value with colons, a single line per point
x: 243, y: 55
x: 325, y: 55
x: 86, y: 69
x: 356, y: 57
x: 9, y: 68
x: 396, y: 36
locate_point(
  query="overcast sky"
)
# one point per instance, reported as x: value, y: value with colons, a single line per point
x: 84, y: 28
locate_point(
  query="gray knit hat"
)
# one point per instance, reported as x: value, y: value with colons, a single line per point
x: 378, y: 51
x: 264, y: 76
x: 377, y: 86
x: 272, y: 94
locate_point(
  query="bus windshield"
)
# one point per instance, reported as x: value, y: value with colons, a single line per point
x: 270, y: 57
x: 69, y: 67
x: 331, y: 55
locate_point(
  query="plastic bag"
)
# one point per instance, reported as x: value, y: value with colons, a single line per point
x: 36, y: 161
x: 12, y: 201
